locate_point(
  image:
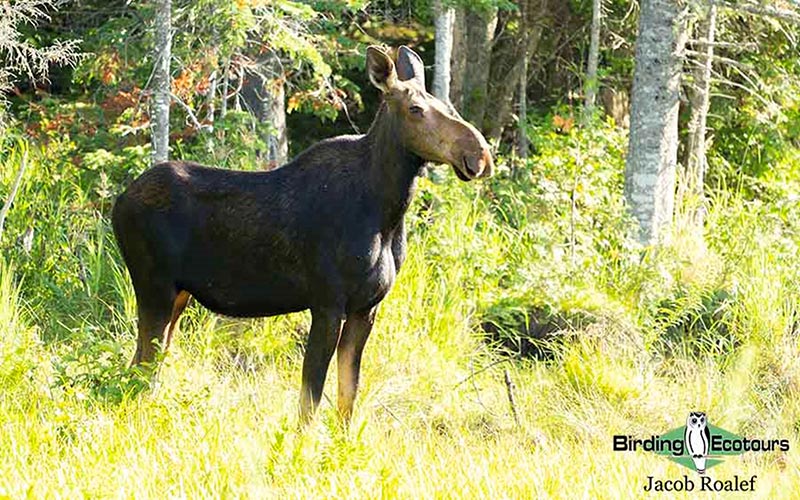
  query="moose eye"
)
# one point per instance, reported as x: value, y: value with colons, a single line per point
x: 415, y: 110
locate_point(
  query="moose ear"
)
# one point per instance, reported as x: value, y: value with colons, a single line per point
x: 380, y: 69
x: 410, y: 66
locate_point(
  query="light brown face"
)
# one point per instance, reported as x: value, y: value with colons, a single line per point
x: 429, y: 127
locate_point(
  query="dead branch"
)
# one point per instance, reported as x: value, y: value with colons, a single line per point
x: 14, y: 188
x: 510, y: 391
x: 473, y: 374
x: 724, y: 45
x: 722, y: 59
x: 760, y: 10
x: 190, y: 114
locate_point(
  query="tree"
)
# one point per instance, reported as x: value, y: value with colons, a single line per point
x: 498, y: 43
x: 159, y: 104
x: 458, y: 58
x: 265, y: 95
x: 522, y: 133
x: 699, y: 89
x: 590, y: 84
x: 480, y: 26
x: 444, y: 17
x: 653, y: 144
x: 518, y: 41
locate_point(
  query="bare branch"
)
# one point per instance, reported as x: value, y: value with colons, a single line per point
x: 721, y: 59
x: 725, y: 45
x: 190, y: 114
x: 510, y: 393
x: 760, y: 10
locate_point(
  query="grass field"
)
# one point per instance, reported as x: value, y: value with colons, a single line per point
x: 694, y: 325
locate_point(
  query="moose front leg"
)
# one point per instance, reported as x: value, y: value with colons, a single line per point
x: 326, y: 325
x: 348, y: 358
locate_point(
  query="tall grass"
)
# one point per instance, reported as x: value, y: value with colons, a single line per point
x: 709, y: 327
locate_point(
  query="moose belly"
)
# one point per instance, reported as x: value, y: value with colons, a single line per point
x: 247, y: 293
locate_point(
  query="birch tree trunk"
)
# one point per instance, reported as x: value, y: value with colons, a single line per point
x: 443, y: 22
x: 275, y: 113
x: 590, y: 85
x: 159, y: 106
x: 691, y: 191
x: 275, y: 107
x: 653, y: 146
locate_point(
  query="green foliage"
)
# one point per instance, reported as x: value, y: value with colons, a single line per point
x: 566, y: 204
x: 97, y: 372
x: 755, y: 118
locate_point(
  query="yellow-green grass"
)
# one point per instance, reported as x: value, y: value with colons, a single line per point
x: 433, y: 418
x: 429, y: 423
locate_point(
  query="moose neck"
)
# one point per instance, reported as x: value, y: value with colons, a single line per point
x: 393, y: 168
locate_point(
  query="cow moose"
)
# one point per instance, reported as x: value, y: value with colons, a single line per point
x: 324, y: 232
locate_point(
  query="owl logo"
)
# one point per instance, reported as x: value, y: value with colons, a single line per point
x: 697, y: 438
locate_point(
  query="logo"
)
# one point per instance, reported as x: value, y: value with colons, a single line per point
x: 699, y: 446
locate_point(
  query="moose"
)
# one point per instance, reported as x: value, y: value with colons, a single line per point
x: 324, y: 232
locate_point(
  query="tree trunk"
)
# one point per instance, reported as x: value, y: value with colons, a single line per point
x: 502, y: 93
x: 617, y: 105
x: 443, y: 22
x: 590, y: 90
x: 691, y: 191
x: 653, y: 145
x: 523, y: 108
x: 159, y: 111
x: 458, y: 58
x: 480, y: 33
x: 264, y: 94
x: 522, y: 111
x: 237, y: 94
x: 226, y: 81
x: 211, y: 97
x: 458, y: 61
x: 511, y: 55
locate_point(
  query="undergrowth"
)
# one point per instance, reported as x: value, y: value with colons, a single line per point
x: 621, y: 340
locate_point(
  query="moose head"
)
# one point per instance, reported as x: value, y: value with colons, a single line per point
x: 429, y: 128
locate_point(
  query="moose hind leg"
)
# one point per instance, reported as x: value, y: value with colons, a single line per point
x: 326, y: 326
x: 348, y: 359
x: 154, y: 320
x: 178, y: 306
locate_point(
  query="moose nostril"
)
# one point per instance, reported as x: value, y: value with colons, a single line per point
x: 472, y: 165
